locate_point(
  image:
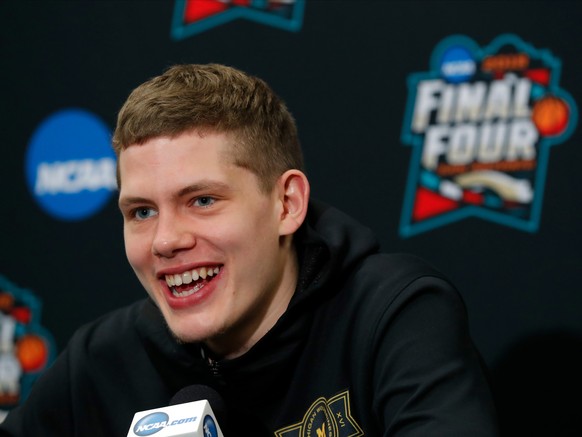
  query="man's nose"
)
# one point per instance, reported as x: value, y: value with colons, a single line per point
x: 172, y: 236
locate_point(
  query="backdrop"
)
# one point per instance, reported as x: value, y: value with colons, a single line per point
x: 450, y: 128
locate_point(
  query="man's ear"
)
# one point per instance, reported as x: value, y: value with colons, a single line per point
x: 293, y: 188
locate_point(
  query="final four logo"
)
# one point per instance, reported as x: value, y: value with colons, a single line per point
x: 481, y: 124
x: 195, y: 16
x: 26, y: 347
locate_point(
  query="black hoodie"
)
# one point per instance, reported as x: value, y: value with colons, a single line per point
x: 371, y: 344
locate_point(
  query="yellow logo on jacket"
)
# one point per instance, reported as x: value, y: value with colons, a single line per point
x: 325, y: 418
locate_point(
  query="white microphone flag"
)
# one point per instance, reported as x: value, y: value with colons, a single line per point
x: 191, y: 419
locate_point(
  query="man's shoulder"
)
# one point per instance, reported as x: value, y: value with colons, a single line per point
x: 386, y: 287
x: 396, y: 268
x: 113, y: 328
x: 383, y: 282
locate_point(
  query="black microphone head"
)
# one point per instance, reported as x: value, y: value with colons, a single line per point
x: 199, y: 392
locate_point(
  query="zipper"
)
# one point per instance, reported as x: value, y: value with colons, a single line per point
x: 212, y: 364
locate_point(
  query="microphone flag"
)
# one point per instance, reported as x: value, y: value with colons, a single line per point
x: 190, y: 419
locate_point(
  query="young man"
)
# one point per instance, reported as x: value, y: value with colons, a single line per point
x: 282, y: 304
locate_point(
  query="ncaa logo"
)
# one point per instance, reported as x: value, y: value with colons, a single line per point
x: 70, y: 166
x: 209, y: 427
x: 151, y: 424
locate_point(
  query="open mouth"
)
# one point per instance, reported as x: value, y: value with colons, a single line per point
x: 191, y: 281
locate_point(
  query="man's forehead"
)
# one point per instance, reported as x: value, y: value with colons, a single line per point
x: 166, y: 150
x: 226, y: 141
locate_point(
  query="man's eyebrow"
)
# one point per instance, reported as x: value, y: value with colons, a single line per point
x: 203, y: 186
x: 127, y: 201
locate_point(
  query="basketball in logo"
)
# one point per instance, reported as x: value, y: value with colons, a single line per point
x: 32, y: 352
x: 550, y: 115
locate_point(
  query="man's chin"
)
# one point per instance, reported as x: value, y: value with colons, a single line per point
x: 185, y: 336
x: 187, y: 332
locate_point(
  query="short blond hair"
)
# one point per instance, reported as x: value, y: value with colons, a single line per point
x: 219, y: 99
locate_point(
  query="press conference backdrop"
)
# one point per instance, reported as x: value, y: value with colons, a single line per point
x: 450, y: 128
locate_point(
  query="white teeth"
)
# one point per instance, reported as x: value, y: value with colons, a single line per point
x: 190, y: 276
x: 184, y: 293
x: 188, y: 292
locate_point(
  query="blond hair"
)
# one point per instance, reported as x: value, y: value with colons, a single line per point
x: 219, y: 99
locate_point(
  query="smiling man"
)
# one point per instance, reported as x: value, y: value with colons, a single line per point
x: 212, y: 248
x: 282, y: 304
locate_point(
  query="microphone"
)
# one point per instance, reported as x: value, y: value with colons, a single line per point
x: 190, y: 414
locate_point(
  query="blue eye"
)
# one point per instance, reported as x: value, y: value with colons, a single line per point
x: 144, y: 213
x: 204, y: 201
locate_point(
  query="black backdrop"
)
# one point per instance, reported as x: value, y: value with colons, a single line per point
x: 344, y: 76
